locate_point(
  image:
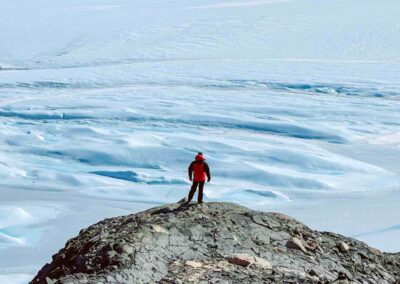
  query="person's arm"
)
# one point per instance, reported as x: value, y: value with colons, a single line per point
x: 207, y: 170
x: 190, y: 171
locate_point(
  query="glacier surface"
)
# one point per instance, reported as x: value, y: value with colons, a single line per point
x: 103, y: 104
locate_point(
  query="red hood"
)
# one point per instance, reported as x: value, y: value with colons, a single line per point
x: 199, y: 158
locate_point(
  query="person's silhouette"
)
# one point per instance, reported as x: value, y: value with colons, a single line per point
x: 198, y: 171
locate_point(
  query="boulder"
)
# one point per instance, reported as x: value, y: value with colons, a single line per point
x: 213, y: 243
x: 343, y: 247
x: 295, y: 243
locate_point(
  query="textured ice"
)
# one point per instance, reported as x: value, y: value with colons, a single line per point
x: 15, y: 278
x: 296, y: 105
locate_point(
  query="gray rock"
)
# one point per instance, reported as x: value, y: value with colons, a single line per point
x: 247, y: 260
x: 343, y: 247
x: 296, y: 243
x: 190, y: 244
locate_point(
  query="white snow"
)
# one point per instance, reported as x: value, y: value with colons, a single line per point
x: 389, y: 139
x: 15, y: 278
x: 238, y: 4
x: 103, y: 104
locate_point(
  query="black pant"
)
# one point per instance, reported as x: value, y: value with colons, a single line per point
x: 193, y: 190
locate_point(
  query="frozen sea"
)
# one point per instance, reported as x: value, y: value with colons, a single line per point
x: 103, y: 104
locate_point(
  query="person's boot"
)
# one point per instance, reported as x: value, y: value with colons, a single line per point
x: 182, y: 201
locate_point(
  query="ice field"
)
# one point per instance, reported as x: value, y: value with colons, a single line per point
x: 103, y: 105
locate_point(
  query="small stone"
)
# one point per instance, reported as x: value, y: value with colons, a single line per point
x: 363, y: 255
x: 312, y: 272
x: 204, y: 208
x: 222, y: 264
x: 159, y: 229
x: 111, y: 253
x: 176, y: 263
x: 342, y: 276
x: 262, y: 263
x: 246, y: 260
x: 127, y: 249
x: 349, y: 275
x: 165, y: 210
x: 193, y: 264
x: 297, y: 232
x: 313, y: 246
x: 296, y: 243
x: 109, y: 278
x: 278, y: 250
x: 119, y: 278
x: 319, y: 249
x: 242, y: 260
x: 375, y: 251
x: 343, y: 247
x: 310, y: 246
x: 49, y: 281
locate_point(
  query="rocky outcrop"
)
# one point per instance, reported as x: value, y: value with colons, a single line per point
x: 215, y: 243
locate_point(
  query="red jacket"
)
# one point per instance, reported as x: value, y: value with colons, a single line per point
x: 199, y: 169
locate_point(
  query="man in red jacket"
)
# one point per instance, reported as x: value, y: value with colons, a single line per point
x: 198, y: 171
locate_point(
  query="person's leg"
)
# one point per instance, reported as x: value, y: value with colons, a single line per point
x: 192, y: 191
x: 200, y: 194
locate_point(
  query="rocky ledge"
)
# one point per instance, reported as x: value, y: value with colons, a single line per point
x: 215, y: 243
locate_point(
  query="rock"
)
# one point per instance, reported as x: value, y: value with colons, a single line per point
x: 319, y: 249
x: 49, y: 281
x: 127, y: 249
x: 204, y: 208
x: 312, y: 272
x: 262, y: 263
x: 375, y: 251
x: 313, y: 246
x: 242, y: 260
x: 343, y: 247
x: 159, y: 229
x: 342, y: 276
x: 213, y: 243
x: 246, y: 260
x: 296, y: 243
x: 193, y: 264
x: 163, y: 210
x: 111, y: 253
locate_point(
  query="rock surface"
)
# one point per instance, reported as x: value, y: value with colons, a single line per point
x: 215, y: 243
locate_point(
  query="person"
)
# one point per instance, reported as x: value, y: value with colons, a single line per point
x: 198, y: 171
